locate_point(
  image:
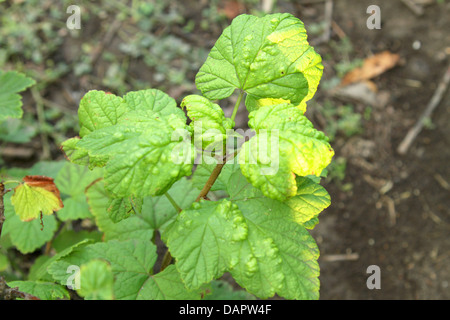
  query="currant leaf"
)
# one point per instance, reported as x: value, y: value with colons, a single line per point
x: 267, y: 57
x: 12, y: 82
x: 203, y: 240
x: 286, y: 144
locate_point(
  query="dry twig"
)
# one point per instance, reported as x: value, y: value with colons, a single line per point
x: 414, y: 131
x: 109, y: 36
x: 340, y: 257
x: 414, y: 7
x: 7, y: 293
x: 325, y: 37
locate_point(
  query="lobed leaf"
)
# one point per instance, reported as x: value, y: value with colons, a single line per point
x: 12, y: 82
x: 222, y: 290
x: 267, y: 57
x: 262, y: 242
x: 279, y: 255
x: 35, y: 196
x: 42, y: 290
x: 27, y: 236
x: 99, y: 109
x: 96, y: 280
x: 303, y: 208
x: 80, y: 156
x: 156, y: 212
x: 145, y: 150
x: 286, y: 145
x: 42, y: 270
x: 72, y: 180
x: 154, y: 100
x: 209, y: 123
x: 131, y: 264
x: 203, y: 240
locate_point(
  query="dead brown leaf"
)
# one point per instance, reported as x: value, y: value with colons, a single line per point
x: 231, y: 9
x: 44, y: 183
x: 373, y: 66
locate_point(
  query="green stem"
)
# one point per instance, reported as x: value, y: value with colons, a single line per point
x: 167, y: 258
x: 236, y: 106
x: 172, y: 201
x: 11, y: 181
x: 41, y: 121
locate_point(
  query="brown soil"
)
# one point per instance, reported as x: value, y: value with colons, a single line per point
x: 404, y: 230
x: 396, y: 215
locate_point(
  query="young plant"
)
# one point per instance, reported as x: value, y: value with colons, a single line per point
x: 246, y: 208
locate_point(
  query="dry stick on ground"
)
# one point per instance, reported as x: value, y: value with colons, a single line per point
x: 266, y: 6
x: 113, y: 28
x: 414, y: 7
x: 414, y: 131
x: 325, y: 37
x: 338, y: 30
x: 340, y: 257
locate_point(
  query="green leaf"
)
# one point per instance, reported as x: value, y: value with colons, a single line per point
x: 68, y: 238
x: 16, y: 131
x: 39, y: 270
x: 143, y: 153
x: 73, y: 255
x: 203, y: 240
x: 72, y: 181
x: 209, y: 123
x: 47, y: 168
x: 12, y: 82
x: 131, y: 264
x: 142, y: 139
x: 279, y: 255
x: 222, y: 290
x: 42, y: 290
x: 81, y: 156
x: 134, y: 227
x: 26, y: 236
x: 41, y: 168
x: 286, y: 145
x: 266, y: 57
x: 154, y: 100
x: 167, y: 285
x: 4, y: 262
x: 122, y: 208
x: 96, y: 281
x: 99, y: 109
x: 303, y: 208
x: 310, y: 200
x: 157, y: 212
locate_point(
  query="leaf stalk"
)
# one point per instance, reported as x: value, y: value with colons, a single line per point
x: 236, y: 106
